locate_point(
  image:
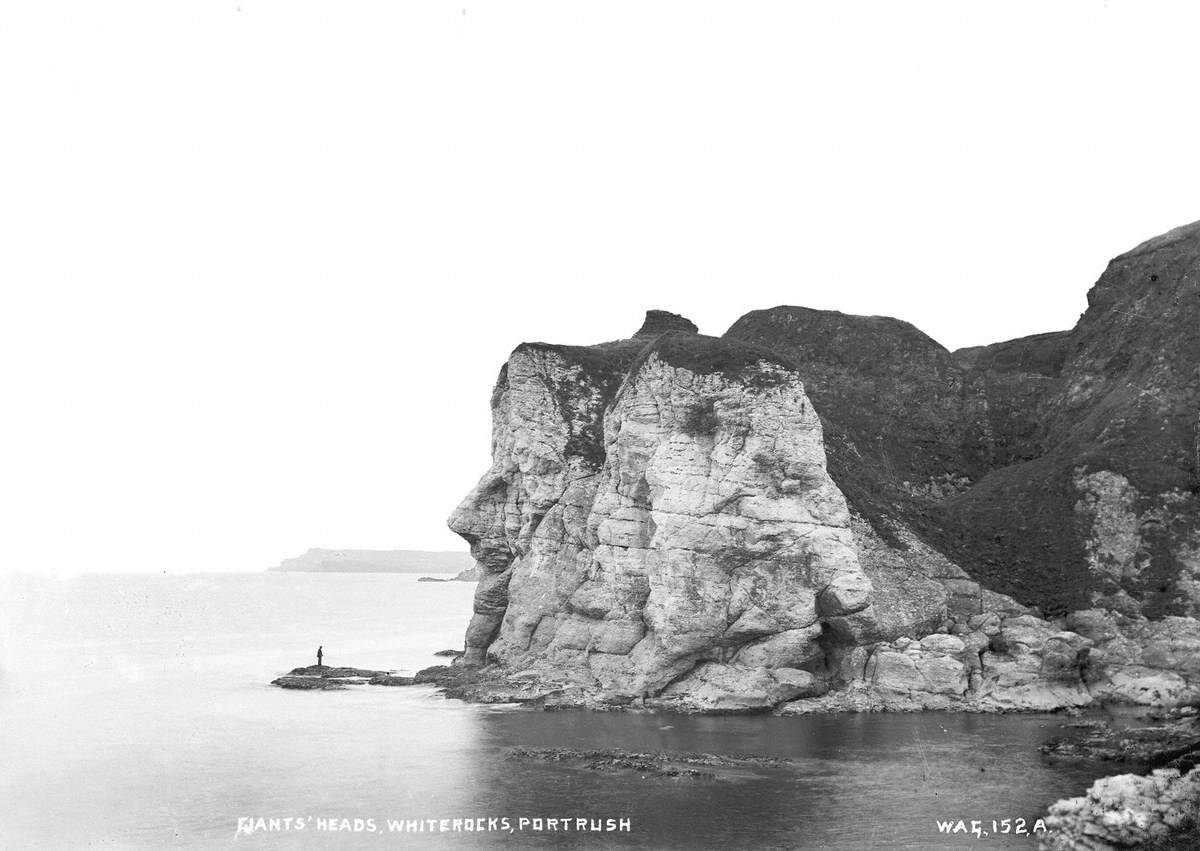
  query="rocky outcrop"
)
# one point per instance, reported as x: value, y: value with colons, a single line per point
x: 1161, y: 810
x: 658, y: 520
x: 325, y: 678
x: 1136, y: 660
x: 1126, y: 811
x: 820, y: 511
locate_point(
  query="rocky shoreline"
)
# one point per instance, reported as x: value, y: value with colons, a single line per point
x: 327, y: 678
x: 1000, y: 661
x: 1158, y: 807
x: 817, y: 512
x: 675, y: 519
x: 1159, y: 810
x: 493, y: 684
x: 1172, y: 741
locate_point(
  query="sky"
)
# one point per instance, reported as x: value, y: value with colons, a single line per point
x: 261, y: 261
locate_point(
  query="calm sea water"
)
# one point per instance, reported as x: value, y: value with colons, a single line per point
x: 135, y: 712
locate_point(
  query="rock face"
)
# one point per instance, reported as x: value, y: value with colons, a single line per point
x: 1127, y: 811
x: 821, y: 511
x: 658, y: 520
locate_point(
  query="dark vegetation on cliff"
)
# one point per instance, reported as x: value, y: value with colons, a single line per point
x: 604, y: 367
x: 983, y: 453
x: 979, y: 450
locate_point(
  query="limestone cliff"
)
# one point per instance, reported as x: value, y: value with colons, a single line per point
x: 658, y: 520
x: 820, y: 511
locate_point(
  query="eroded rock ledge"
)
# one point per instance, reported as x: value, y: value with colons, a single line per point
x: 326, y: 678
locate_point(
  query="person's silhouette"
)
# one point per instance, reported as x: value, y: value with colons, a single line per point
x: 320, y: 655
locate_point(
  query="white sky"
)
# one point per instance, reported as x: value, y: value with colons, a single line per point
x: 262, y: 261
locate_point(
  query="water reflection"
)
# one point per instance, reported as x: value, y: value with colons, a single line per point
x: 858, y: 781
x: 139, y: 716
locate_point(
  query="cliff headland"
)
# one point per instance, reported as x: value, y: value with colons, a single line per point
x: 816, y: 511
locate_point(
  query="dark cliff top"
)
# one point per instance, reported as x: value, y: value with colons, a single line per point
x: 1037, y: 353
x: 1184, y: 233
x: 676, y: 341
x: 598, y: 361
x: 816, y: 327
x: 705, y: 355
x: 661, y: 321
x: 616, y: 356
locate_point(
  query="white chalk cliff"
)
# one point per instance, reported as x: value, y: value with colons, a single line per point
x: 659, y: 526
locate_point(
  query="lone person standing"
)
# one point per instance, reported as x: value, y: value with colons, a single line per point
x: 320, y: 655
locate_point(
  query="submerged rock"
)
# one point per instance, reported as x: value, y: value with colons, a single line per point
x: 390, y: 680
x: 308, y: 683
x: 657, y: 764
x: 1170, y: 745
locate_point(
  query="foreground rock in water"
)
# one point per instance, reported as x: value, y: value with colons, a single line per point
x: 309, y: 683
x: 1161, y: 810
x: 330, y: 672
x: 821, y: 512
x: 324, y: 678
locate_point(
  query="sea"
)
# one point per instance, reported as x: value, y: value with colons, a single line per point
x: 136, y: 711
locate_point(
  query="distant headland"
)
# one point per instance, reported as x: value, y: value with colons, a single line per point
x: 376, y: 561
